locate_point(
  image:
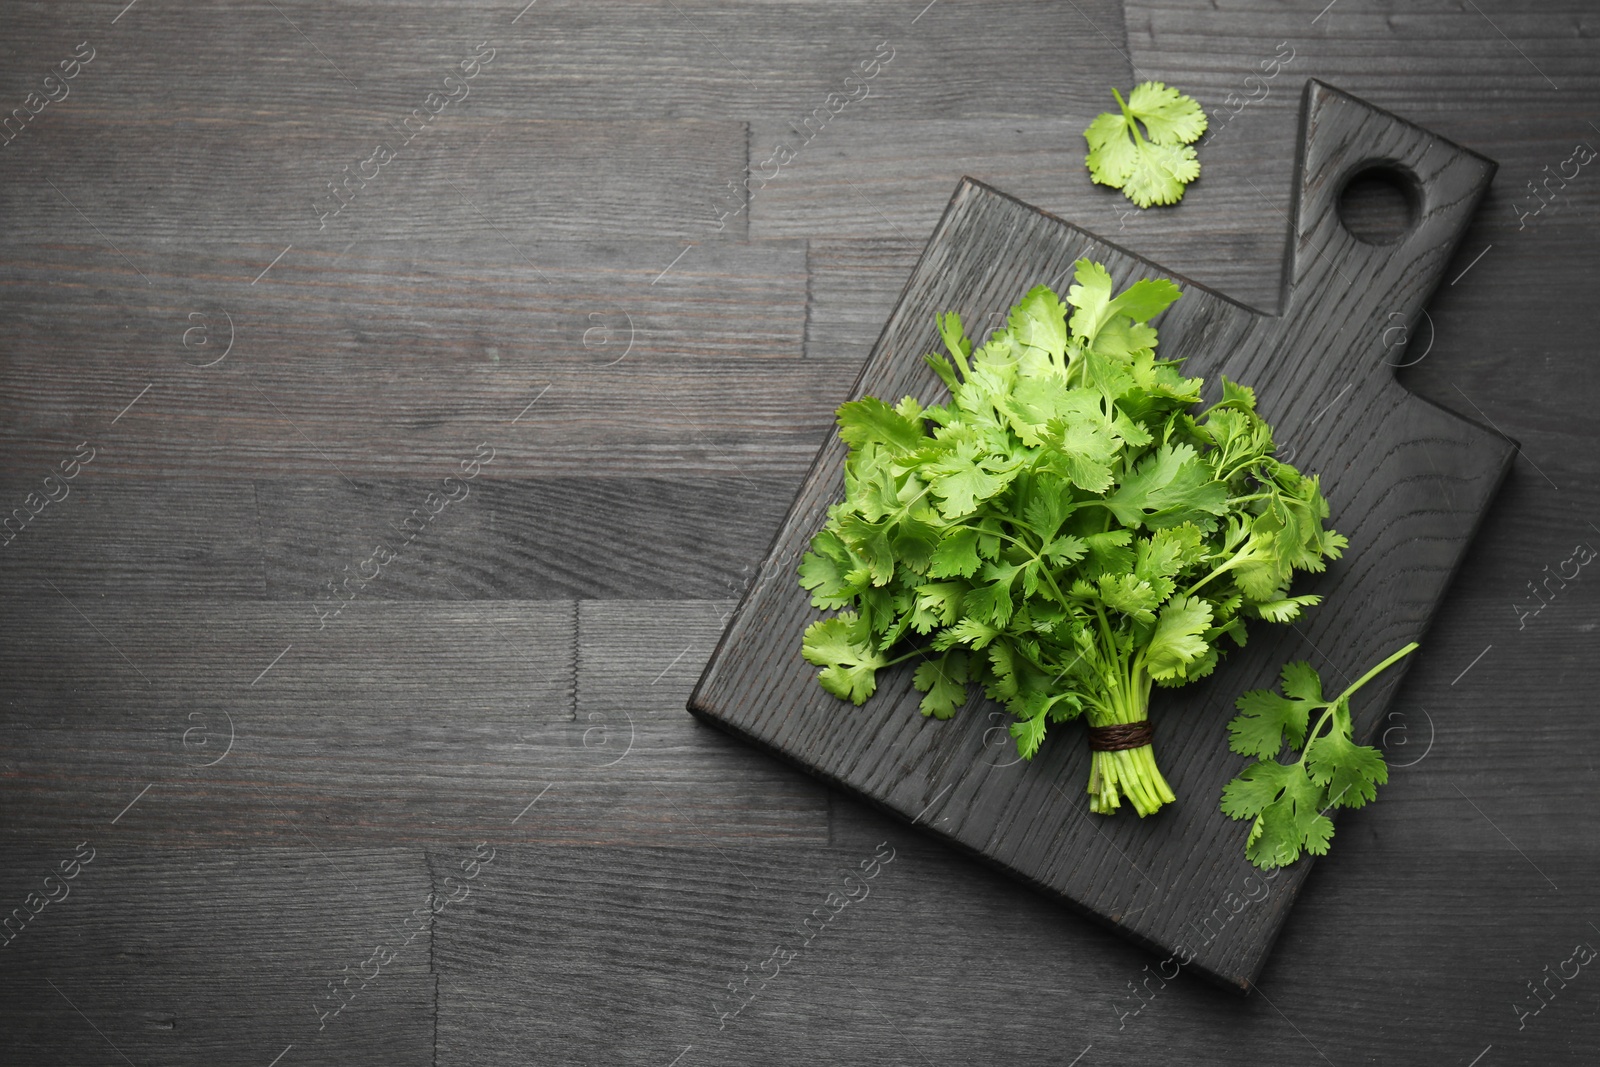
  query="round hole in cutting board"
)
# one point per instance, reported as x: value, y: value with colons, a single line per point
x: 1378, y: 205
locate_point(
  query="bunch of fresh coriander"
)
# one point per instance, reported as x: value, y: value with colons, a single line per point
x: 1064, y: 532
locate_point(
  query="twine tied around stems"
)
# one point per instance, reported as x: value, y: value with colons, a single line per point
x: 1120, y: 735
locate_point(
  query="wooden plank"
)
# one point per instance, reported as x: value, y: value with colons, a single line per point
x: 654, y: 936
x: 529, y: 539
x: 515, y: 179
x: 245, y: 722
x: 399, y: 722
x: 195, y: 538
x: 643, y: 656
x: 988, y: 249
x: 1431, y: 58
x: 124, y: 965
x: 599, y: 356
x: 707, y: 59
x: 854, y: 284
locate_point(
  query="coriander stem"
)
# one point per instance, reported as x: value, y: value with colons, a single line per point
x: 1127, y: 117
x: 1374, y: 672
x: 1344, y: 697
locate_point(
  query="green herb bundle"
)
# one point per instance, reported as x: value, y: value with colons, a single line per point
x: 1065, y: 532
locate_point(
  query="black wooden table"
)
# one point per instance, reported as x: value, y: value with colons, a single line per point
x: 398, y: 396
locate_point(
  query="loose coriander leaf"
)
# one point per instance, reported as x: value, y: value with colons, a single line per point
x: 1160, y: 173
x: 1256, y: 786
x: 1302, y: 682
x: 1292, y: 823
x: 1264, y: 720
x: 1153, y: 166
x: 1169, y: 117
x: 1112, y: 153
x: 1350, y: 772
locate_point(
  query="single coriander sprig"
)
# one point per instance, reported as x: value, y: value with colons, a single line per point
x: 1290, y: 801
x: 1151, y: 167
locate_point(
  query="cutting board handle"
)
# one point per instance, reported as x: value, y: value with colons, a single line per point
x: 1331, y: 271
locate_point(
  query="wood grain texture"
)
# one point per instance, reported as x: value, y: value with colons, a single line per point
x: 167, y: 955
x: 593, y: 955
x: 530, y: 539
x: 707, y: 59
x: 525, y: 179
x: 247, y: 723
x: 1145, y: 879
x: 398, y: 723
x: 596, y: 358
x: 185, y: 537
x: 1431, y: 57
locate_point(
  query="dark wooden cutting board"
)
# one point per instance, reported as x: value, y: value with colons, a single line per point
x: 1408, y: 482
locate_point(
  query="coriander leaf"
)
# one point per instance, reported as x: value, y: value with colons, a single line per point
x: 965, y: 478
x: 1285, y: 610
x: 870, y: 542
x: 1255, y: 787
x: 1177, y: 641
x: 990, y: 603
x: 1064, y: 550
x: 941, y: 601
x: 1038, y: 322
x: 1169, y: 117
x: 944, y: 680
x: 1145, y: 299
x: 1128, y: 594
x: 1091, y: 299
x: 968, y: 631
x: 1301, y: 681
x: 955, y: 338
x: 1292, y: 823
x: 957, y: 554
x: 870, y: 419
x: 1029, y: 733
x: 1112, y: 153
x: 1153, y: 166
x: 1350, y: 772
x: 1264, y: 720
x: 827, y: 571
x: 842, y: 647
x: 1167, y: 488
